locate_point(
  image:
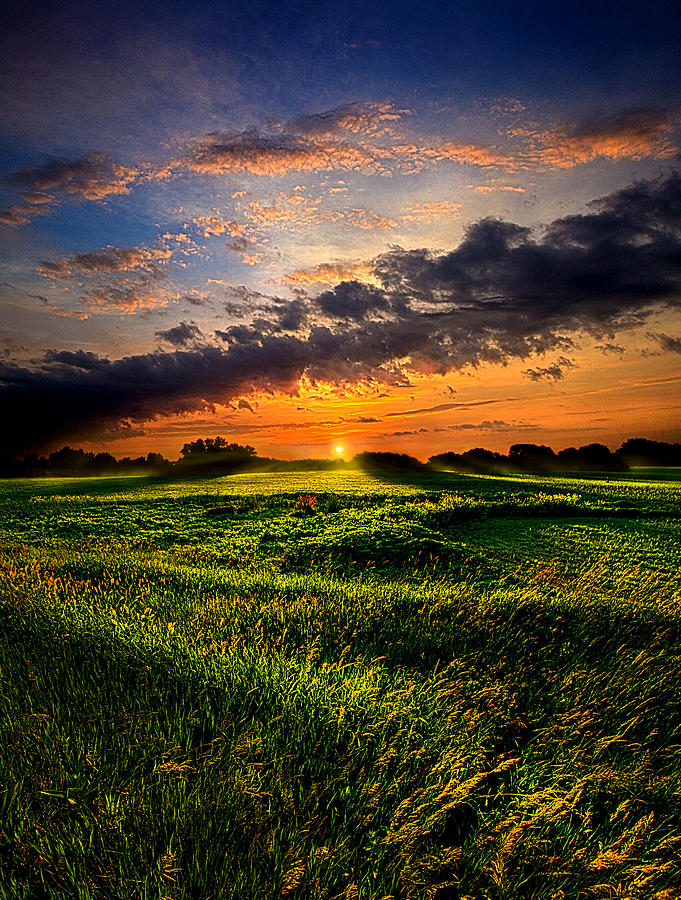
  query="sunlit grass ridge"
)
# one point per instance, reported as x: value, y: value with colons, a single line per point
x: 431, y: 688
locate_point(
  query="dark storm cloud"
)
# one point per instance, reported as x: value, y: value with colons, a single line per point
x: 555, y: 372
x: 180, y: 335
x: 502, y: 294
x: 667, y: 342
x: 610, y: 348
x: 607, y: 269
x: 352, y: 300
x: 77, y: 359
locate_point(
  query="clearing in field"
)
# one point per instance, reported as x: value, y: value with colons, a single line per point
x: 341, y: 685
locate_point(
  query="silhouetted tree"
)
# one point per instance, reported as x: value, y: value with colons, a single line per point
x: 157, y: 463
x: 381, y: 460
x: 68, y: 461
x: 643, y: 452
x: 10, y: 467
x: 104, y: 464
x: 216, y: 455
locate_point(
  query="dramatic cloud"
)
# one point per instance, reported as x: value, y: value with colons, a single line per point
x: 352, y: 300
x: 555, y: 372
x: 77, y: 359
x: 180, y: 335
x: 503, y: 294
x: 667, y: 342
x: 609, y: 347
x: 607, y: 269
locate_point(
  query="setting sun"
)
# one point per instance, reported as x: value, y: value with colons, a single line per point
x: 339, y: 449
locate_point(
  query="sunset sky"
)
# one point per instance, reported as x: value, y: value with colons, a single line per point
x: 404, y: 226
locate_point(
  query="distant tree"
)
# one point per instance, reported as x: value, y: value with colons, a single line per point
x: 10, y: 467
x: 216, y: 455
x: 217, y: 444
x: 156, y: 462
x: 194, y: 448
x: 643, y: 452
x: 594, y: 457
x: 103, y: 464
x: 448, y: 460
x: 532, y: 457
x: 34, y: 465
x: 382, y: 460
x: 136, y: 466
x: 477, y: 459
x: 68, y: 461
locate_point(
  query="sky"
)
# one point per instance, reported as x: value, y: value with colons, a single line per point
x: 321, y: 228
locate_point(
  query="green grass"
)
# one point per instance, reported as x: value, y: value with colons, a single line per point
x: 439, y: 686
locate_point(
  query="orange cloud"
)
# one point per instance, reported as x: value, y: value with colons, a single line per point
x: 126, y: 296
x: 252, y: 259
x: 18, y: 214
x: 491, y: 188
x: 372, y: 117
x: 108, y: 260
x: 294, y: 216
x: 210, y: 226
x: 430, y: 210
x: 94, y: 177
x: 63, y: 313
x: 181, y: 238
x: 332, y: 273
x: 91, y: 178
x: 257, y: 154
x: 368, y: 220
x: 320, y: 144
x: 637, y: 134
x: 412, y: 158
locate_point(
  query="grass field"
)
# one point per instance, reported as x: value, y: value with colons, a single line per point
x: 341, y: 685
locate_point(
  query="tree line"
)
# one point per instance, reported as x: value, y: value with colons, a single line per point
x: 215, y: 456
x: 540, y: 458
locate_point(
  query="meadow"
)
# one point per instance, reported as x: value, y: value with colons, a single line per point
x: 341, y: 685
